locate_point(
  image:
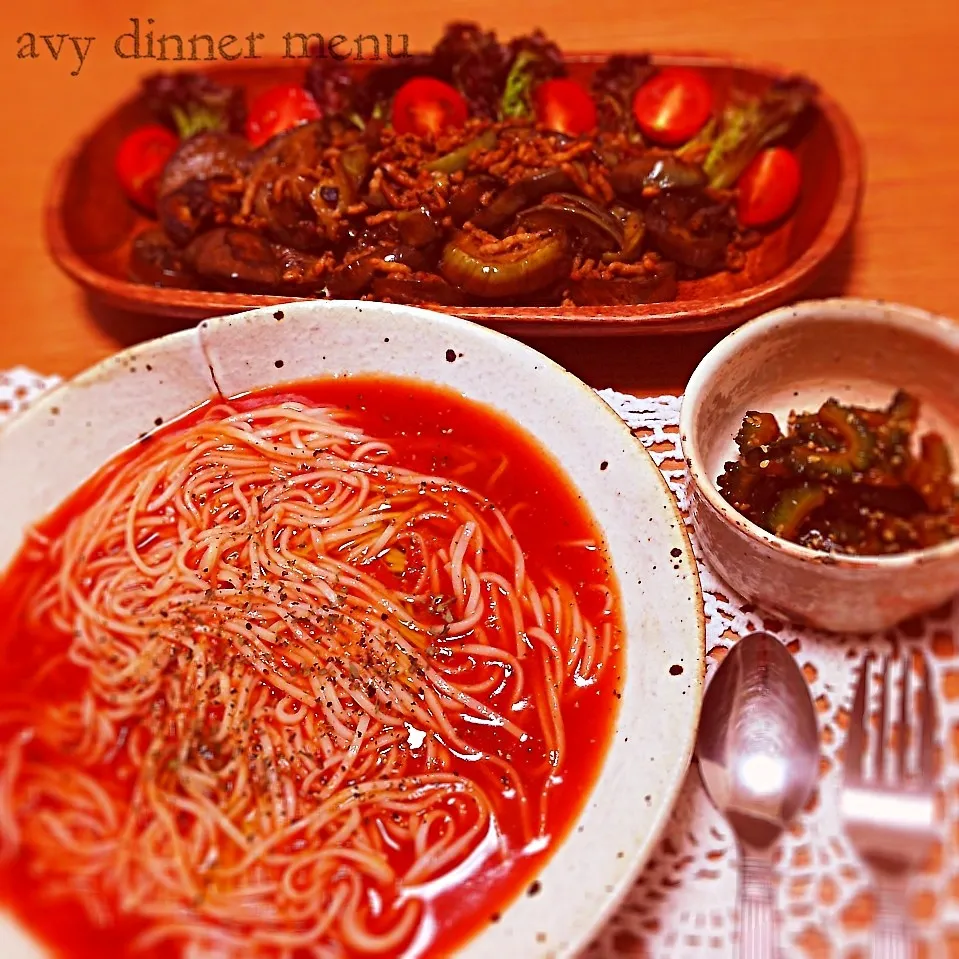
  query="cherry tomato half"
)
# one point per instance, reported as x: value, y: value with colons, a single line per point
x: 768, y: 187
x: 564, y: 106
x: 277, y: 109
x: 673, y: 105
x: 140, y: 162
x: 426, y: 106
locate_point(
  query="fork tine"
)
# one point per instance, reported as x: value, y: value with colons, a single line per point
x: 857, y: 723
x: 904, y: 707
x: 882, y: 726
x: 927, y: 758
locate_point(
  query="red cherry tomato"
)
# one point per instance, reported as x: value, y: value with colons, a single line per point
x: 278, y: 109
x: 426, y: 106
x: 673, y: 105
x: 564, y: 106
x: 140, y: 161
x: 768, y: 187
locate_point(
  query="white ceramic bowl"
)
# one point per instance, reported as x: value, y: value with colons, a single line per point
x: 65, y: 436
x: 859, y: 351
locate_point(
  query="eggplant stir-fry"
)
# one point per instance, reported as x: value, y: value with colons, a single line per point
x: 845, y: 479
x: 478, y: 174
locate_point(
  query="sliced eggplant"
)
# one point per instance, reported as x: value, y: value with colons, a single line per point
x: 244, y: 261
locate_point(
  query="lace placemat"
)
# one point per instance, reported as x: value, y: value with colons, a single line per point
x: 683, y: 905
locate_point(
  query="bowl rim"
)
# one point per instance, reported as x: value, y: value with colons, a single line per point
x: 935, y: 327
x: 639, y: 849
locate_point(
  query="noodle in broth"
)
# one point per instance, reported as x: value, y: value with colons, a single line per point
x: 326, y: 685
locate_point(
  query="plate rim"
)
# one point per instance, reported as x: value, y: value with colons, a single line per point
x: 673, y: 759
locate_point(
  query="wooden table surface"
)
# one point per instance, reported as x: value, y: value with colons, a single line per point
x: 891, y: 65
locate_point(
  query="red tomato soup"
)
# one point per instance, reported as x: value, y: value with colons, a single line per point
x: 326, y: 671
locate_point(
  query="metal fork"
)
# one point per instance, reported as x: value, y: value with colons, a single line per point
x: 889, y: 811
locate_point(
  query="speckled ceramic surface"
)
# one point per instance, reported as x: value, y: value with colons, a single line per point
x: 860, y: 352
x: 47, y: 451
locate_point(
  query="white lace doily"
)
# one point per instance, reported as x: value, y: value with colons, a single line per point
x: 683, y: 905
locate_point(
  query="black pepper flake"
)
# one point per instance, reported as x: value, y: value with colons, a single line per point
x: 278, y: 364
x: 450, y: 356
x: 278, y: 315
x: 676, y: 551
x: 158, y: 421
x: 535, y: 887
x: 604, y: 465
x: 675, y: 670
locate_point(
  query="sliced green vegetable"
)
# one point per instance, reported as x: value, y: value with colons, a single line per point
x: 524, y: 267
x: 806, y: 426
x: 758, y: 429
x: 931, y: 473
x: 858, y: 440
x: 458, y: 159
x: 737, y: 484
x: 857, y: 450
x: 700, y: 142
x: 902, y: 416
x: 792, y: 509
x: 634, y: 235
x: 845, y: 480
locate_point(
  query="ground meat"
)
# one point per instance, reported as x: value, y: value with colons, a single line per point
x: 585, y: 268
x: 518, y: 155
x: 369, y: 209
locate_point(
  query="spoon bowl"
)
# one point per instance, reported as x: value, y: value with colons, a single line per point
x: 758, y: 743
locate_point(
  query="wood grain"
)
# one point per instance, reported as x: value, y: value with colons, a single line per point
x: 889, y: 65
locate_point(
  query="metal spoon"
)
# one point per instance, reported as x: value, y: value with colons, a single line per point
x: 758, y: 752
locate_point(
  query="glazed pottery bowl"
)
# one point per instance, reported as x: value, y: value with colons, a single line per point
x: 70, y: 432
x: 859, y: 352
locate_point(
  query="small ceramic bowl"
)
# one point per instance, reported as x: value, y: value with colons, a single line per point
x: 858, y: 351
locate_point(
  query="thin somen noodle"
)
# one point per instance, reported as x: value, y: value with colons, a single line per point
x: 304, y: 688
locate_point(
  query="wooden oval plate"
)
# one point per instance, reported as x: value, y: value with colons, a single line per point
x: 90, y: 224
